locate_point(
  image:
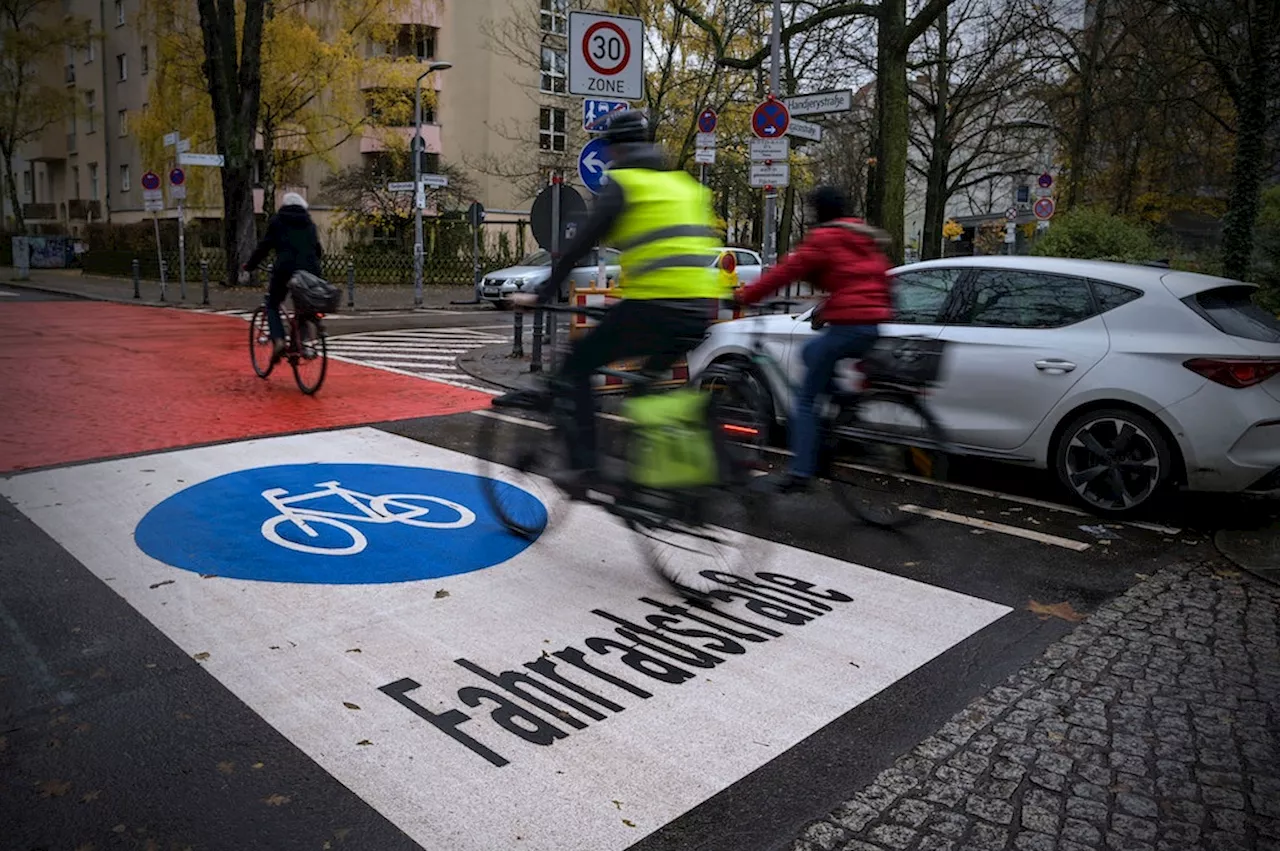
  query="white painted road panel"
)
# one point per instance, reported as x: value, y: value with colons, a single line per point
x: 609, y: 776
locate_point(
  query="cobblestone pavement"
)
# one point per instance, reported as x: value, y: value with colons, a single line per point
x: 1152, y: 726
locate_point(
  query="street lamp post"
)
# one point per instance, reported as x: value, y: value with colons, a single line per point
x: 419, y: 196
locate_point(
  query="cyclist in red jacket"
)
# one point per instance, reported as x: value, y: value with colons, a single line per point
x: 845, y: 257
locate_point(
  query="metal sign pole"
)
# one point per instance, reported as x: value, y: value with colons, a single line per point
x: 775, y: 83
x: 182, y: 253
x: 155, y: 218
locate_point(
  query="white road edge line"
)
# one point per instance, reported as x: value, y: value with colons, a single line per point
x: 494, y: 415
x: 990, y: 526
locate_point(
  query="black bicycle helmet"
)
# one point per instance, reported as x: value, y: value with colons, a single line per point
x: 828, y: 204
x: 626, y: 127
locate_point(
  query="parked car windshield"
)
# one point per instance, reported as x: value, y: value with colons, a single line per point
x: 537, y: 258
x: 1233, y: 311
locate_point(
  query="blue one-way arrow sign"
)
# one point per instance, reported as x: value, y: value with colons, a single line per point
x: 592, y: 164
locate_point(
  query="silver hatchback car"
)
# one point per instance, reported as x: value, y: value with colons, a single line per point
x: 498, y: 287
x: 1123, y: 380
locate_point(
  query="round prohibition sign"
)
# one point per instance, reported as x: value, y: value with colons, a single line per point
x: 150, y: 180
x: 606, y: 48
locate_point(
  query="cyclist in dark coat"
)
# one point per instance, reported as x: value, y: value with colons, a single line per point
x: 293, y: 237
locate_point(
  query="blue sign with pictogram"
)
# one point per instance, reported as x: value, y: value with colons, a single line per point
x: 177, y: 177
x: 1046, y: 180
x: 707, y: 121
x: 592, y: 165
x: 594, y: 109
x: 151, y: 181
x: 336, y: 524
x: 770, y: 120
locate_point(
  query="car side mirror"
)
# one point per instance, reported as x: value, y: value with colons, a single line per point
x: 816, y: 322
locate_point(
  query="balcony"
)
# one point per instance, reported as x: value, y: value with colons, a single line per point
x: 52, y: 145
x: 421, y: 12
x: 79, y: 209
x: 70, y: 74
x: 40, y: 212
x: 376, y: 139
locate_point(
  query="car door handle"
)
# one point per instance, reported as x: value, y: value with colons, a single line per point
x: 1055, y: 364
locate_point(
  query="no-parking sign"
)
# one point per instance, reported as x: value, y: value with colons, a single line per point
x: 606, y: 56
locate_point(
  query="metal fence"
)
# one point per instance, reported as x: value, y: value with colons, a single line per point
x: 371, y: 268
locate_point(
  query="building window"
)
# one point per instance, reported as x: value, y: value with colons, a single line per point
x: 90, y: 104
x: 75, y: 181
x: 122, y: 118
x: 411, y: 41
x: 124, y: 178
x: 122, y: 67
x: 555, y: 16
x: 551, y: 132
x: 93, y: 181
x: 553, y: 70
x: 90, y: 51
x: 26, y: 184
x: 119, y: 13
x: 146, y: 59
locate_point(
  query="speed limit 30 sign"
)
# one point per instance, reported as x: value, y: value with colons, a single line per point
x: 606, y: 56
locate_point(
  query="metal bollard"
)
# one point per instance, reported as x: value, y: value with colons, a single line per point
x: 517, y: 343
x: 163, y: 282
x: 553, y: 323
x: 204, y: 281
x: 137, y: 283
x: 536, y: 364
x: 351, y: 283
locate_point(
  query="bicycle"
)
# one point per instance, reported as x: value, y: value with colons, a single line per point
x: 886, y: 426
x: 369, y: 508
x: 677, y: 484
x: 305, y: 347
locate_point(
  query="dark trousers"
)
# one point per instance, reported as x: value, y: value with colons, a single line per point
x: 277, y: 292
x: 820, y: 355
x: 662, y: 330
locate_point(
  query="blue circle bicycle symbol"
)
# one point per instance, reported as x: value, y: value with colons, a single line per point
x: 338, y: 524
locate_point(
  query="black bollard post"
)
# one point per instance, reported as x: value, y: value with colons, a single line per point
x: 204, y: 281
x: 351, y: 283
x: 536, y: 364
x: 137, y: 283
x: 517, y: 342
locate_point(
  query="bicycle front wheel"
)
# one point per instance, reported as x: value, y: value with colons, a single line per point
x: 260, y: 343
x: 310, y: 360
x: 886, y: 453
x: 516, y: 458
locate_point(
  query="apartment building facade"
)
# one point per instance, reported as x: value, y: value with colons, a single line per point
x: 498, y: 111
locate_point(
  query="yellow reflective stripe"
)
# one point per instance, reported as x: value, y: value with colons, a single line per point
x: 672, y: 232
x: 674, y: 261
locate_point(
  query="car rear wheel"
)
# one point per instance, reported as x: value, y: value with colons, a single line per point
x: 1114, y: 461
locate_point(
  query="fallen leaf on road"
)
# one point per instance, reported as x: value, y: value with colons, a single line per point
x: 355, y: 650
x: 276, y: 800
x: 226, y: 767
x: 628, y: 822
x: 341, y: 833
x: 88, y: 846
x: 441, y: 593
x: 54, y: 788
x: 349, y: 705
x: 364, y: 742
x: 257, y: 765
x: 617, y: 804
x: 89, y: 797
x: 158, y: 584
x: 1225, y: 573
x: 1055, y: 610
x: 84, y: 727
x: 118, y: 829
x: 208, y: 576
x: 200, y: 657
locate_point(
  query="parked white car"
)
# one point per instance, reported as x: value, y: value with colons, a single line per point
x: 498, y: 287
x: 1123, y: 380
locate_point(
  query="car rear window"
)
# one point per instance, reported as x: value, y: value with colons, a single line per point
x: 1232, y: 311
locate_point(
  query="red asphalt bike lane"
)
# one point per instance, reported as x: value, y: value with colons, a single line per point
x: 83, y: 381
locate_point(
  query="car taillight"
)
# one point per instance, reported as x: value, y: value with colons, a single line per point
x: 1235, y: 372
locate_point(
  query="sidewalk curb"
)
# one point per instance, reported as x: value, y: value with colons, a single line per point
x: 470, y: 364
x: 1256, y: 551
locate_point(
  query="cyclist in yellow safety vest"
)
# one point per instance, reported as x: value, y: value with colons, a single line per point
x: 663, y: 223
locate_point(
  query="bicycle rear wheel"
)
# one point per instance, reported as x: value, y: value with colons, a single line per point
x: 260, y: 343
x: 742, y: 414
x: 885, y: 453
x: 310, y: 358
x: 515, y: 456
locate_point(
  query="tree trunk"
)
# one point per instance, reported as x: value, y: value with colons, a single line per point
x: 935, y: 193
x: 268, y: 169
x: 234, y: 80
x: 1079, y: 150
x: 788, y: 213
x: 1246, y: 172
x: 19, y: 223
x: 892, y: 107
